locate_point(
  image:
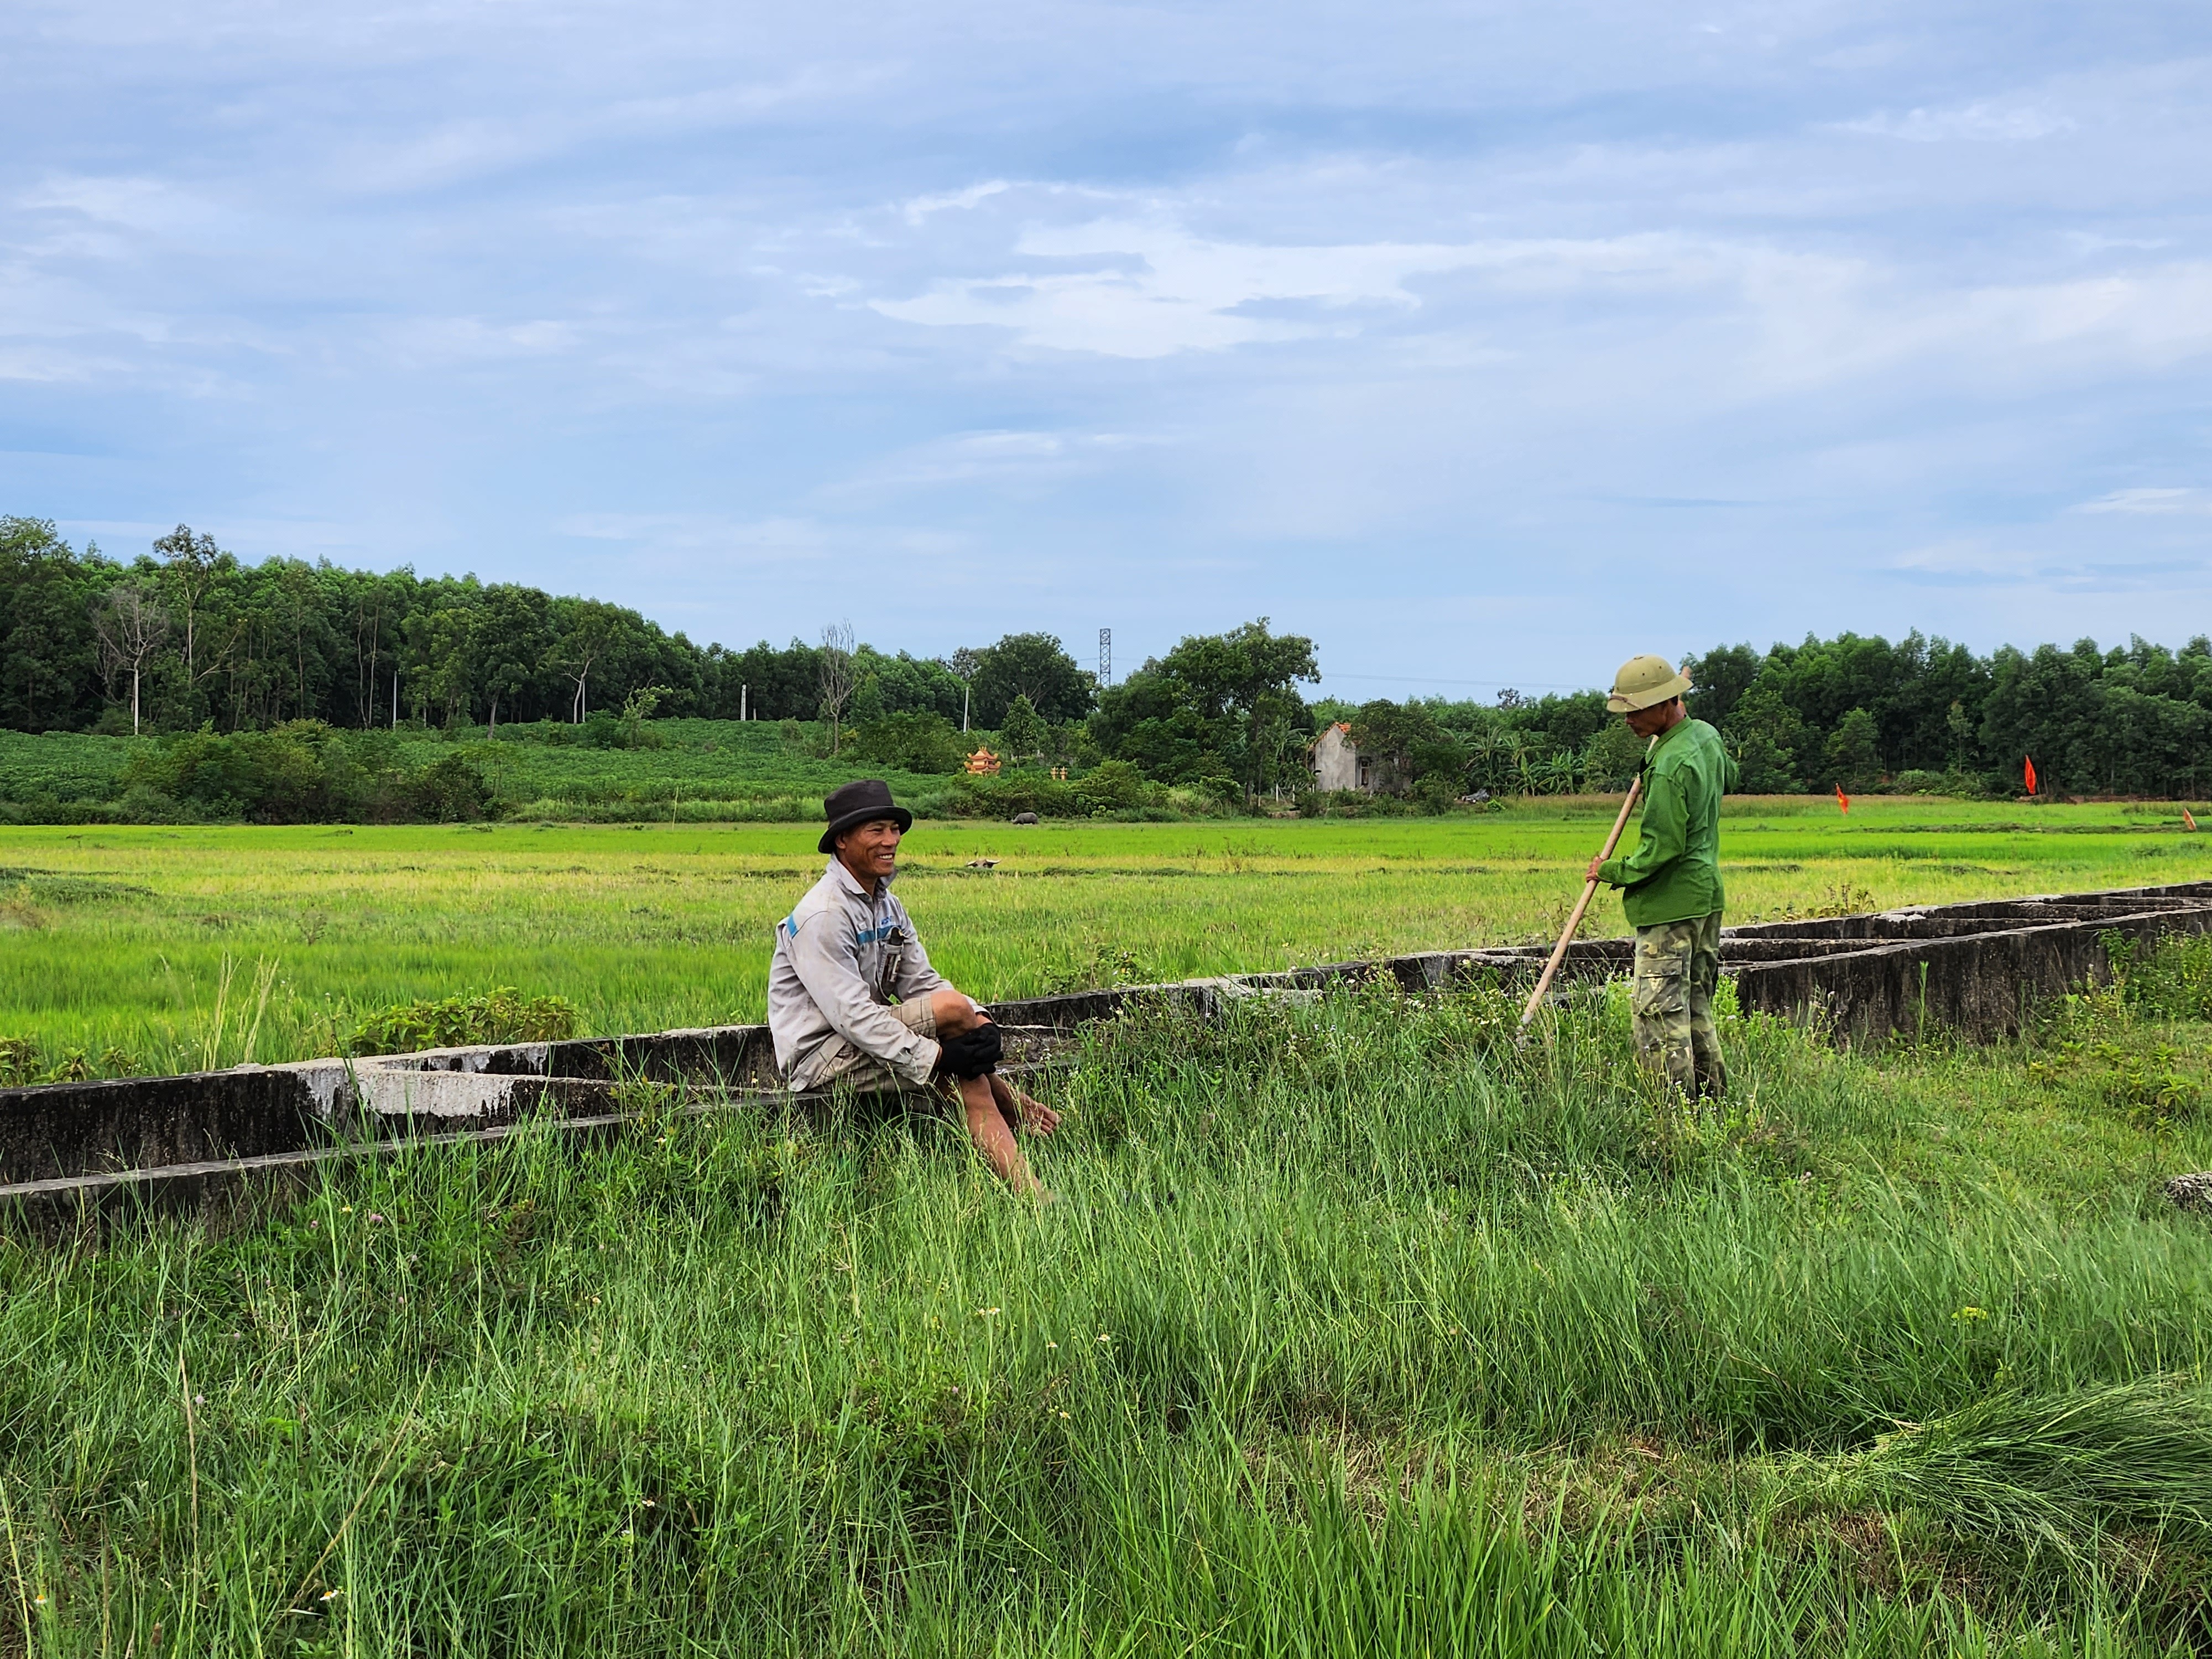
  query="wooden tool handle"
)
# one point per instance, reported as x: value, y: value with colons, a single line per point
x: 1589, y: 891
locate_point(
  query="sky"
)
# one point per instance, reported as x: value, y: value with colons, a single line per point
x: 1486, y: 344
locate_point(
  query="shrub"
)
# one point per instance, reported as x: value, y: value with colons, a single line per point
x: 1964, y: 786
x: 1351, y: 804
x: 1003, y: 796
x: 551, y: 734
x: 302, y: 772
x: 920, y: 742
x: 1112, y: 785
x: 1024, y: 730
x: 450, y: 790
x: 504, y: 1015
x: 24, y: 1062
x: 295, y: 773
x: 21, y: 1061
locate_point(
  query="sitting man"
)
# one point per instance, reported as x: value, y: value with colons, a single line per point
x: 852, y: 1000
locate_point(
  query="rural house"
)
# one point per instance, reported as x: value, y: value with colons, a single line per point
x: 1337, y: 762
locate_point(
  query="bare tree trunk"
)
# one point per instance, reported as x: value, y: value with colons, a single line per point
x: 131, y: 628
x: 836, y: 676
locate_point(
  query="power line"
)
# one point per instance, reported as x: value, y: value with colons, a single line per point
x: 1429, y: 679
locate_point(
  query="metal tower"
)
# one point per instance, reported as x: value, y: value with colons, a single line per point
x: 1105, y: 656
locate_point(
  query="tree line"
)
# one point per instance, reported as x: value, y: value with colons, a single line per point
x: 1856, y: 712
x: 187, y: 636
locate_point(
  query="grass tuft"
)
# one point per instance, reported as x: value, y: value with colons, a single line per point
x: 2056, y: 1472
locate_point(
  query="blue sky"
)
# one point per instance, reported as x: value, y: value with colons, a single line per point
x: 1485, y: 344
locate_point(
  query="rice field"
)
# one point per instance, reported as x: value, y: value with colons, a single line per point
x: 1352, y: 1330
x: 122, y: 945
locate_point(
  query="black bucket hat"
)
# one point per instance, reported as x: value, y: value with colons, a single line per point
x: 851, y: 805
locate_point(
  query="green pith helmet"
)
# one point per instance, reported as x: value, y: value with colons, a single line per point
x: 1643, y: 682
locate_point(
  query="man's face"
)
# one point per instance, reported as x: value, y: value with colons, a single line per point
x: 1650, y: 722
x: 871, y: 852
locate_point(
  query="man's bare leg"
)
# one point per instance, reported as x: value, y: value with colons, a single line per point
x: 993, y: 1137
x: 993, y: 1107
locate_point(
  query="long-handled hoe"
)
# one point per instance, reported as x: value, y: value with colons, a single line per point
x: 1589, y: 891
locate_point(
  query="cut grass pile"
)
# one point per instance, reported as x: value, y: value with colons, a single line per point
x: 1353, y: 1332
x: 117, y: 939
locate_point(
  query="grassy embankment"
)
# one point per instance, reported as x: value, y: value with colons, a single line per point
x: 699, y: 771
x: 117, y: 938
x: 1351, y: 1333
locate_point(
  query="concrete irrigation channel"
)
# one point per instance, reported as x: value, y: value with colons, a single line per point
x: 70, y: 1151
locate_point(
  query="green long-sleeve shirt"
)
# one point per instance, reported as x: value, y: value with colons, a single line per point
x: 1674, y: 874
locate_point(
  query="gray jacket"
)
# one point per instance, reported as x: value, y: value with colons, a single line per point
x: 842, y: 957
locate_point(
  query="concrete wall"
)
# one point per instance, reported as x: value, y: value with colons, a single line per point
x: 1335, y: 761
x: 64, y: 1130
x: 1973, y: 969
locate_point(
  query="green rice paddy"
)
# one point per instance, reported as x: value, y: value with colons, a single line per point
x: 119, y: 942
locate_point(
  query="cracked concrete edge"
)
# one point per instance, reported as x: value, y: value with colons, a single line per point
x: 58, y: 1206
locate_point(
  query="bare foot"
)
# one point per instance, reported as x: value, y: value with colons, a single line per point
x: 1038, y: 1118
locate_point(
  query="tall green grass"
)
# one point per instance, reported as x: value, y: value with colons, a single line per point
x: 1351, y: 1331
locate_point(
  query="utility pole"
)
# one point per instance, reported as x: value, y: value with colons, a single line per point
x: 741, y: 690
x: 964, y: 663
x: 395, y: 696
x: 1105, y: 657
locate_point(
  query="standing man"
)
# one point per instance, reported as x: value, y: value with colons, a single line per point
x: 852, y: 997
x: 1671, y: 883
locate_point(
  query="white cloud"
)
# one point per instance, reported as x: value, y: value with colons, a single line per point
x: 458, y: 150
x: 2089, y: 242
x: 1978, y: 561
x: 749, y: 541
x: 920, y: 207
x: 443, y: 155
x: 2152, y: 501
x: 1153, y: 288
x: 1763, y: 319
x: 1969, y: 559
x: 138, y: 202
x: 782, y: 539
x: 424, y: 340
x: 1002, y: 460
x: 1979, y: 122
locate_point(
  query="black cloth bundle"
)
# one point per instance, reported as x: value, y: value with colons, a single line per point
x: 973, y: 1053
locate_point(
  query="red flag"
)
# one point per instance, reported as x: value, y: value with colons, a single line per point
x: 1842, y: 800
x: 2186, y: 819
x: 2030, y: 773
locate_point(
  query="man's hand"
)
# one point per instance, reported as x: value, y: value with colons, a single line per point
x: 972, y: 1053
x: 1595, y: 865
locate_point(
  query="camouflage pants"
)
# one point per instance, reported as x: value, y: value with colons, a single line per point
x: 1678, y: 965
